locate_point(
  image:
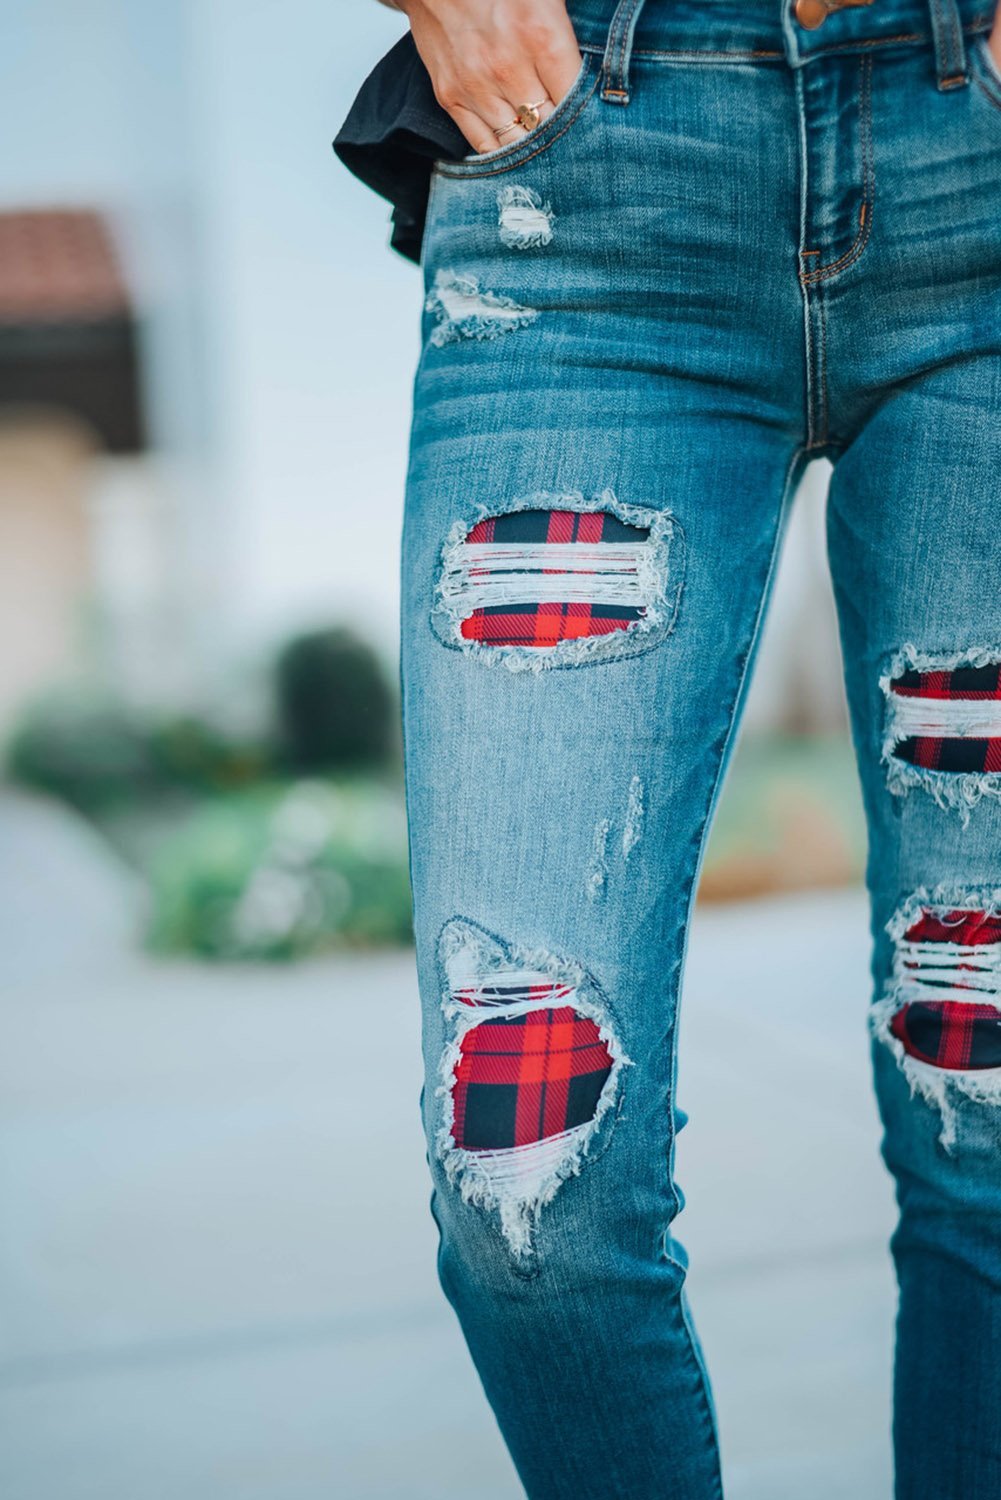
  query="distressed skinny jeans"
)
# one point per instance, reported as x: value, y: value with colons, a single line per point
x: 734, y: 246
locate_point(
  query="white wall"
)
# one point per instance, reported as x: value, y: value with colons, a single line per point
x: 315, y: 321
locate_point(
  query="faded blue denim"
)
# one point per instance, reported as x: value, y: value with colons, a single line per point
x: 734, y: 247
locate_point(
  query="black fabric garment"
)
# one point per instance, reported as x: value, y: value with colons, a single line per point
x: 394, y: 132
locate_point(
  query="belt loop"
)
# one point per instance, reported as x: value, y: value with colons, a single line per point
x: 618, y: 50
x: 950, y: 49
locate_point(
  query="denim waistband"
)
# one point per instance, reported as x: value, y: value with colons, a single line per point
x: 766, y: 30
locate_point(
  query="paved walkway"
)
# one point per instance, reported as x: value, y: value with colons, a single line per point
x: 216, y: 1262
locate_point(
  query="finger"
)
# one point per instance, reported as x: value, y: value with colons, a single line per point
x: 520, y: 85
x: 498, y: 114
x: 489, y: 120
x: 559, y: 66
x: 994, y: 40
x: 478, y: 133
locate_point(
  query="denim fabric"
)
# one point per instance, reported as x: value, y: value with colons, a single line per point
x: 733, y: 247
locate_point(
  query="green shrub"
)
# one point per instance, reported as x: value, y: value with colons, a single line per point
x: 82, y: 747
x: 94, y: 753
x: 192, y: 752
x: 284, y: 870
x: 335, y: 707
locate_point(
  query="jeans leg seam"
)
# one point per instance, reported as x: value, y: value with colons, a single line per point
x: 723, y: 741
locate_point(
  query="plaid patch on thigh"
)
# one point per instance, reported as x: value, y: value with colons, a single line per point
x: 524, y: 621
x: 521, y: 1079
x: 952, y: 1034
x: 955, y: 717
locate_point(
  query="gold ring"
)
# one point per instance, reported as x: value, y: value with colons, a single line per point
x: 528, y: 114
x: 527, y: 117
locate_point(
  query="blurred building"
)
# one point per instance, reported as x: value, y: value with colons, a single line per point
x: 69, y: 389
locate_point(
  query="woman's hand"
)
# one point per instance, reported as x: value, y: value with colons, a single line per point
x: 487, y: 59
x: 994, y: 41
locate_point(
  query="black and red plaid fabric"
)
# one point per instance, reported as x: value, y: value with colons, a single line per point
x: 945, y: 753
x: 522, y: 1078
x: 967, y: 928
x: 546, y: 624
x: 951, y: 1034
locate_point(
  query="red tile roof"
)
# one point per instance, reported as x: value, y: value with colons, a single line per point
x: 58, y: 266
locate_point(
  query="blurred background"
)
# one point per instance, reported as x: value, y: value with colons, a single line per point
x: 216, y: 1266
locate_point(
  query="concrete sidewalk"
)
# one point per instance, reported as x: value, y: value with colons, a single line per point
x: 216, y: 1261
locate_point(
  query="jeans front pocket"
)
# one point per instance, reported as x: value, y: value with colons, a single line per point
x: 554, y: 127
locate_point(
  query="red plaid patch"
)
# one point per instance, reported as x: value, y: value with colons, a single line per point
x: 951, y: 1034
x: 961, y: 684
x: 522, y: 1078
x: 546, y: 624
x: 967, y: 928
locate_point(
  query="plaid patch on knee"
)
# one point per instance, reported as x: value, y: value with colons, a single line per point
x: 529, y: 1072
x: 950, y: 1035
x: 962, y: 927
x: 521, y: 1079
x: 951, y: 951
x: 948, y: 720
x: 539, y: 577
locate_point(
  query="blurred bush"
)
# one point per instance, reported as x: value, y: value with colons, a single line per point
x: 266, y: 846
x: 84, y: 748
x: 335, y: 712
x: 284, y: 870
x: 335, y: 707
x: 195, y: 753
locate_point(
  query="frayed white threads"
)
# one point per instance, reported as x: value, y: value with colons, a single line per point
x: 485, y: 574
x: 932, y: 973
x: 597, y: 875
x: 936, y: 1085
x: 524, y: 221
x: 635, y: 812
x: 916, y: 716
x: 635, y: 574
x: 466, y: 312
x: 483, y: 976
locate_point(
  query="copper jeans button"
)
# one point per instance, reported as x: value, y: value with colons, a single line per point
x: 813, y: 13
